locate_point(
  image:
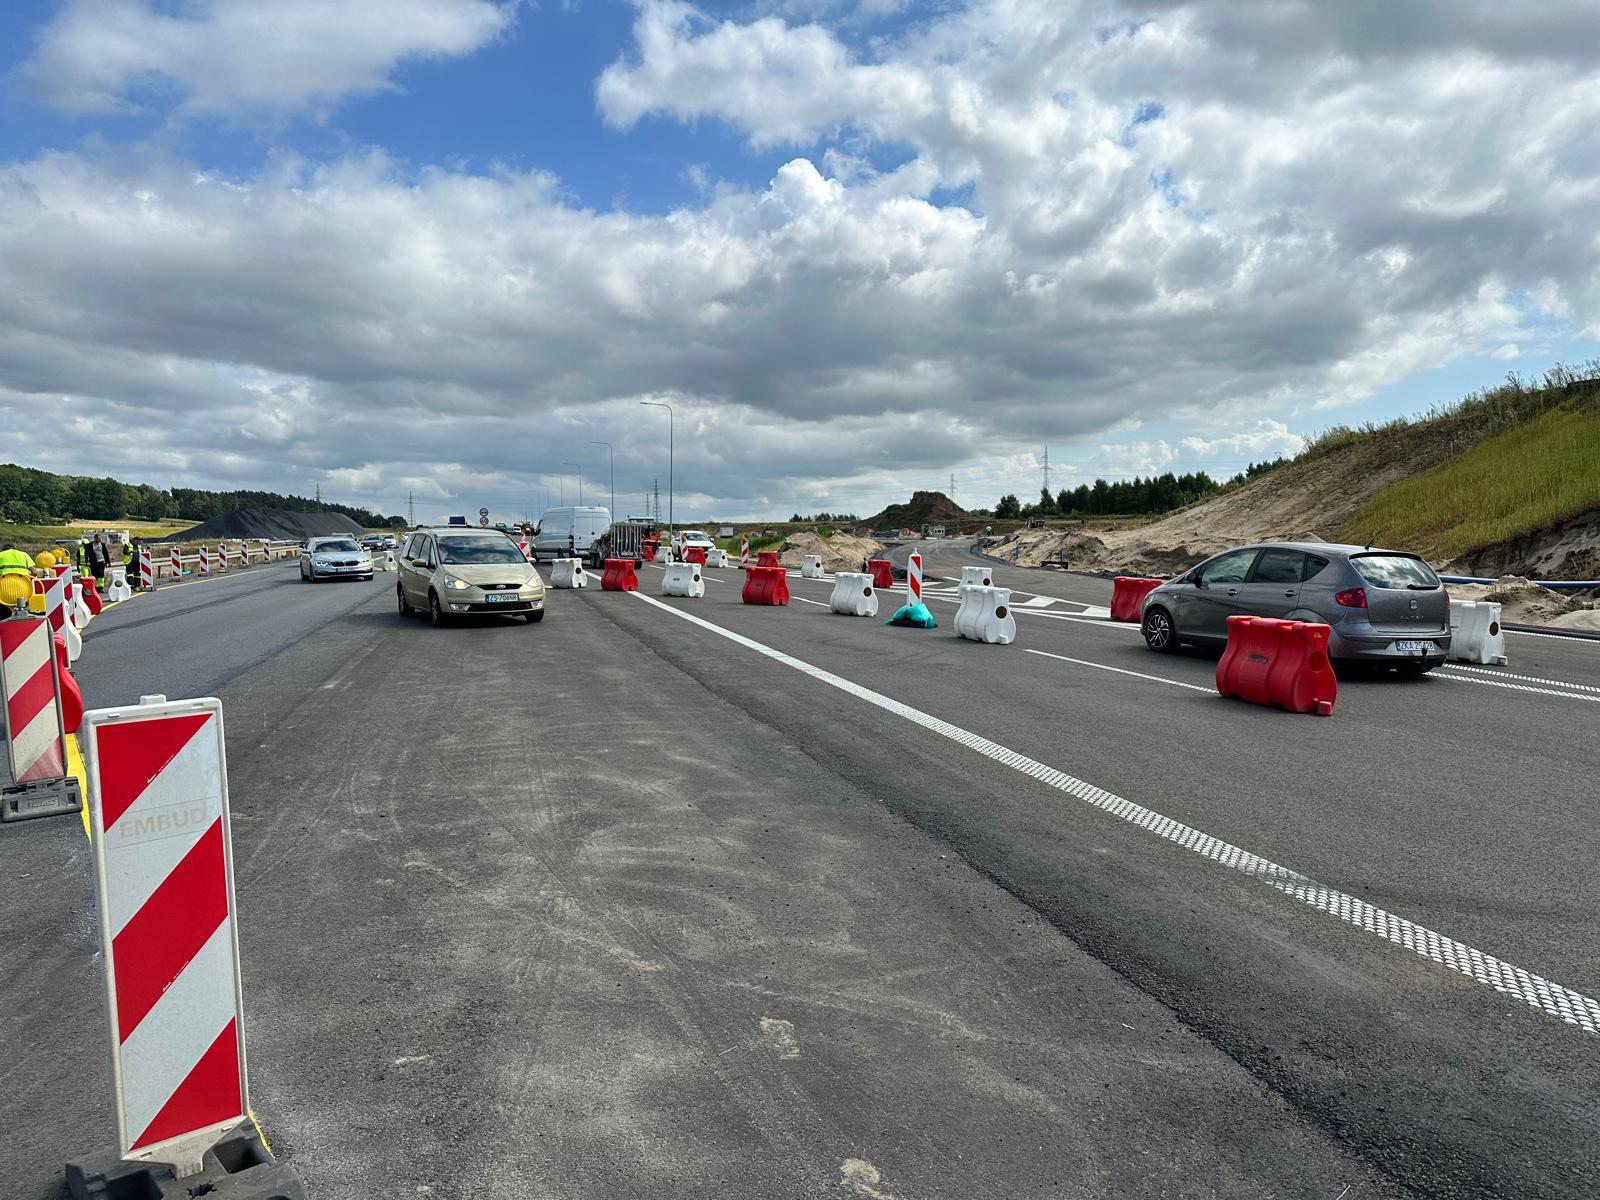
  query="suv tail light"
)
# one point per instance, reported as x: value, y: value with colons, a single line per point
x: 1351, y: 598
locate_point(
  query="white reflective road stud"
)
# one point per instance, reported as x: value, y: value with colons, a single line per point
x: 853, y: 595
x: 683, y: 579
x: 157, y: 778
x: 1535, y: 991
x: 35, y: 743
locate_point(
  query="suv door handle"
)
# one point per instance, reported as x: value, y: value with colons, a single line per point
x: 1233, y: 591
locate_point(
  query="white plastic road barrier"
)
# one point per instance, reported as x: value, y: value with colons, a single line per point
x: 683, y: 579
x: 664, y: 553
x: 914, y: 578
x: 388, y: 562
x: 716, y: 558
x: 118, y: 588
x: 744, y: 550
x: 811, y: 568
x: 1475, y: 633
x: 977, y: 576
x: 984, y: 615
x: 853, y: 595
x: 568, y: 573
x: 35, y: 741
x: 82, y: 614
x: 147, y: 568
x: 164, y: 883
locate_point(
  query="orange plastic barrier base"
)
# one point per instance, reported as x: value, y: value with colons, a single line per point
x: 619, y: 576
x: 766, y: 558
x: 91, y: 596
x: 1279, y: 663
x: 765, y: 585
x: 648, y: 552
x: 71, y: 697
x: 1127, y: 597
x: 695, y: 554
x: 882, y: 572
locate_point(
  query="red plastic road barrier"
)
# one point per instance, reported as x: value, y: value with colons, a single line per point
x: 1282, y: 663
x: 91, y: 596
x: 766, y: 558
x: 695, y: 554
x: 71, y: 697
x: 648, y: 551
x: 168, y: 933
x: 1127, y: 596
x: 765, y: 585
x: 619, y: 576
x: 881, y: 571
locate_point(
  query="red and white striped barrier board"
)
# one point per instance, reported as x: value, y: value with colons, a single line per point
x: 164, y: 874
x: 147, y: 568
x: 35, y: 739
x: 55, y: 601
x: 914, y: 579
x: 222, y: 557
x: 523, y: 546
x: 177, y: 564
x: 204, y: 564
x: 744, y: 551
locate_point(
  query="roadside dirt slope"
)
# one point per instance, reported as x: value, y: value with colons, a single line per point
x: 841, y: 552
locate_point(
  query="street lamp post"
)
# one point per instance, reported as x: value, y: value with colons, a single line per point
x: 671, y: 422
x: 579, y: 472
x: 613, y: 457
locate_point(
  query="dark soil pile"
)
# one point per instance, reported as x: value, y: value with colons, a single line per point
x: 277, y: 524
x: 925, y: 508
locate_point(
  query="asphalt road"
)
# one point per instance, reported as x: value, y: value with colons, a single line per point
x: 687, y: 898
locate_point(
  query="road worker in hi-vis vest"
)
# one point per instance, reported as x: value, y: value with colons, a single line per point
x: 16, y: 578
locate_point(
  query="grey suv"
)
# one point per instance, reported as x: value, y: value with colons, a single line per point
x: 1382, y: 606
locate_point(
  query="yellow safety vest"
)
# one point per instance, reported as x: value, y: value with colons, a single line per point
x: 15, y: 562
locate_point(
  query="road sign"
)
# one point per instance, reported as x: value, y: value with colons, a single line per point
x: 483, y: 512
x: 164, y: 882
x: 483, y: 521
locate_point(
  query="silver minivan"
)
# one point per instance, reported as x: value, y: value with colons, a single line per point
x: 1384, y: 607
x: 456, y: 570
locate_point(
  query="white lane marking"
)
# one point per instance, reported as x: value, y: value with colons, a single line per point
x: 1517, y: 687
x: 1560, y: 637
x: 1038, y: 601
x: 1533, y: 990
x: 1497, y: 673
x: 1193, y: 687
x: 803, y: 600
x: 1098, y: 617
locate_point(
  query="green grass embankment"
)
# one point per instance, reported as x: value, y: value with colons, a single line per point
x: 1516, y: 482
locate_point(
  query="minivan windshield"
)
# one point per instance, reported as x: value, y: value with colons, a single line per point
x: 461, y: 549
x: 1394, y: 571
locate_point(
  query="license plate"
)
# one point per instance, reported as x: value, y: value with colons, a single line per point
x: 1415, y: 647
x: 501, y: 598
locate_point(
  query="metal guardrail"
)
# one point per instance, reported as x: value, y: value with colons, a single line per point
x: 253, y: 553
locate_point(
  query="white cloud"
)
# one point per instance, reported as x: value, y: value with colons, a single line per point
x: 225, y: 55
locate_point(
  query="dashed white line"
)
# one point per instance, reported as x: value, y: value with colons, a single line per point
x: 1516, y: 687
x: 1533, y: 990
x: 1082, y: 662
x: 1499, y: 674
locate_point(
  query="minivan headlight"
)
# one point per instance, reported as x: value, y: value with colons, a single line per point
x: 460, y: 585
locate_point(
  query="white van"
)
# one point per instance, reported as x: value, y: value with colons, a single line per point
x: 584, y: 524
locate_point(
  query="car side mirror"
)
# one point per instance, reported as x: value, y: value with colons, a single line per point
x: 1198, y: 580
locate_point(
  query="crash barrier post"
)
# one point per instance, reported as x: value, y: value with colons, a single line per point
x: 765, y: 585
x: 169, y: 941
x: 204, y: 565
x: 569, y: 573
x: 914, y: 578
x: 619, y: 576
x: 977, y: 576
x: 32, y: 681
x: 716, y: 558
x: 881, y: 571
x: 984, y: 615
x: 147, y: 569
x: 744, y: 550
x: 766, y: 558
x: 811, y: 566
x: 1281, y: 663
x: 853, y: 594
x: 683, y: 579
x: 1475, y: 633
x: 695, y: 554
x: 1127, y: 597
x: 118, y: 589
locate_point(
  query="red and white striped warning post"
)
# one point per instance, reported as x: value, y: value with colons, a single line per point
x: 222, y: 557
x: 36, y: 734
x: 744, y: 550
x: 164, y: 876
x: 177, y: 564
x: 204, y: 565
x: 147, y: 568
x: 914, y: 578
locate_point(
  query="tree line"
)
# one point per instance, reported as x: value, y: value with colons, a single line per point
x: 1128, y: 497
x: 33, y: 497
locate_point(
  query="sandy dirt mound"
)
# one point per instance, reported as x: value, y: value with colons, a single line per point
x: 1523, y: 602
x: 275, y: 523
x: 841, y: 552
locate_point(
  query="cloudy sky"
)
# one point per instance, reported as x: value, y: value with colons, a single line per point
x: 443, y: 246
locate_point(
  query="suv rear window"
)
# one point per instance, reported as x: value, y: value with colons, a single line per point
x: 1394, y: 571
